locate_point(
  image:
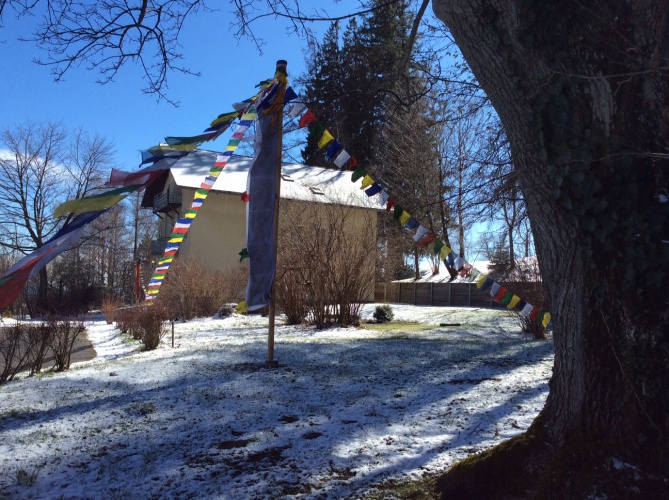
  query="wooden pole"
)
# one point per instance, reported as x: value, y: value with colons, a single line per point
x: 271, y: 363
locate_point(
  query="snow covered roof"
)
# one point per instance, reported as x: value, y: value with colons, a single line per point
x: 299, y: 182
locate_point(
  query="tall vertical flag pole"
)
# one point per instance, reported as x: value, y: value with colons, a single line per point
x: 271, y: 363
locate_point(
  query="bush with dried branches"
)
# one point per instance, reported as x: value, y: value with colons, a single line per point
x: 326, y: 265
x: 109, y: 308
x: 193, y: 290
x: 64, y: 335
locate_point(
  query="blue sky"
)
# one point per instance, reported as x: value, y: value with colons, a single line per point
x: 119, y: 111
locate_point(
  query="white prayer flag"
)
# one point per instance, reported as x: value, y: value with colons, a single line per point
x: 420, y: 232
x: 342, y: 158
x: 526, y: 310
x: 297, y: 109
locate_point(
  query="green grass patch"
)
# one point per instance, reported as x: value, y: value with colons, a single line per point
x: 398, y: 326
x: 413, y: 489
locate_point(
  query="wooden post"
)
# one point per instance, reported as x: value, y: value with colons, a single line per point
x: 271, y: 363
x: 450, y: 290
x: 414, y: 293
x: 172, y: 333
x: 431, y: 293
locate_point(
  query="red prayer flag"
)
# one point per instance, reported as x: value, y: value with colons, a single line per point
x: 245, y: 197
x: 427, y: 239
x: 352, y: 163
x: 307, y: 118
x: 500, y: 294
x: 391, y: 204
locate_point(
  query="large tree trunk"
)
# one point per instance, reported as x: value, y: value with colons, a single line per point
x: 582, y: 90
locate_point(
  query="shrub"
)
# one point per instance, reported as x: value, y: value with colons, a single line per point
x: 384, y: 313
x: 39, y: 339
x: 193, y: 290
x: 225, y: 311
x: 13, y: 352
x: 109, y: 308
x: 148, y: 324
x: 64, y: 334
x: 325, y: 269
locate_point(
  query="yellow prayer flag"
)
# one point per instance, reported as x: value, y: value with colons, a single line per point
x: 176, y: 239
x: 225, y: 118
x: 241, y: 307
x: 481, y: 280
x: 443, y: 253
x: 546, y: 320
x: 200, y: 196
x: 185, y: 147
x: 325, y: 140
x: 366, y: 182
x: 514, y: 301
x: 404, y: 218
x: 83, y: 205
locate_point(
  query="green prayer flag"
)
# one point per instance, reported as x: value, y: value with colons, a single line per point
x: 244, y: 254
x: 438, y: 244
x: 506, y: 299
x: 318, y: 129
x: 358, y: 173
x: 398, y: 212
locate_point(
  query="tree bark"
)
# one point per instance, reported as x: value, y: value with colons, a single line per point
x: 582, y: 90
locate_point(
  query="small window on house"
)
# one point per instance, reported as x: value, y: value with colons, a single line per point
x: 317, y: 190
x: 287, y: 178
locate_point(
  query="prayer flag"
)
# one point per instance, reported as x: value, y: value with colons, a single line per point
x: 366, y: 182
x: 244, y: 254
x: 438, y: 245
x: 373, y: 189
x: 297, y: 109
x: 513, y: 302
x: 422, y: 231
x: 506, y: 300
x: 487, y: 283
x: 391, y: 204
x: 245, y: 197
x: 95, y: 202
x: 526, y: 310
x: 241, y: 307
x: 353, y: 163
x: 397, y: 212
x: 342, y: 158
x: 261, y: 186
x: 317, y: 129
x: 307, y: 118
x: 383, y: 199
x: 427, y: 239
x: 474, y: 274
x: 465, y: 270
x: 404, y: 218
x: 481, y: 280
x: 411, y: 224
x: 443, y: 253
x: 534, y: 313
x: 546, y: 320
x: 494, y: 289
x: 459, y: 263
x: 357, y: 174
x: 521, y: 305
x: 333, y: 149
x: 290, y: 95
x: 325, y: 139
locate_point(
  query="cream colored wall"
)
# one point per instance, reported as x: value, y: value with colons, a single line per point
x: 218, y: 233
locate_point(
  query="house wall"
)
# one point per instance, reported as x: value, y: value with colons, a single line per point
x: 218, y: 233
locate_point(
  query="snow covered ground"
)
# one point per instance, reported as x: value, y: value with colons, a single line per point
x: 345, y: 410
